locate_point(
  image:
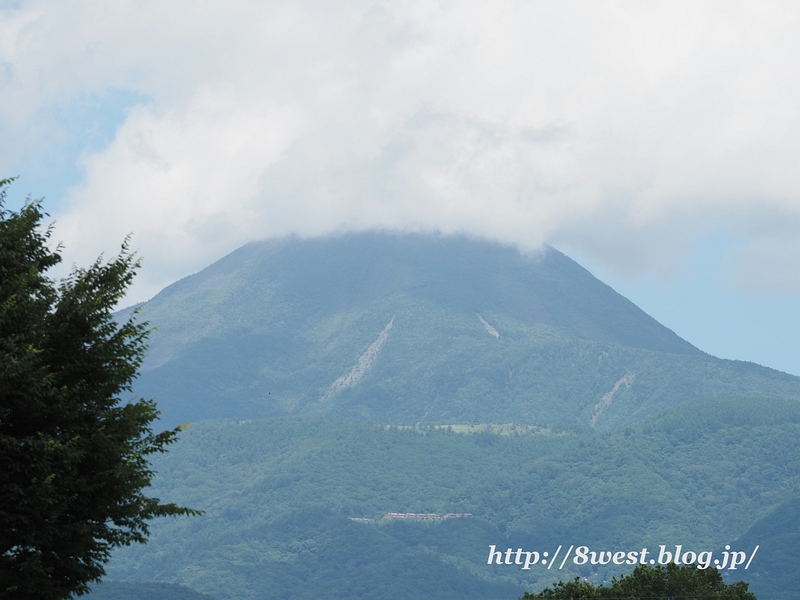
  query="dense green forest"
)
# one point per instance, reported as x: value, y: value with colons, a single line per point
x: 119, y: 590
x: 779, y: 536
x: 279, y: 495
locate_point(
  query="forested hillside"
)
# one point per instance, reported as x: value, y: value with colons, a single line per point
x: 280, y: 495
x: 118, y: 590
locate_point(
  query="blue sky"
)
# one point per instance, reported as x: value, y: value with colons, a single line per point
x: 700, y: 305
x: 656, y: 143
x: 77, y: 127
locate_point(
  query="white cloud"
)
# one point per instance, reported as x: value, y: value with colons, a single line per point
x: 623, y: 129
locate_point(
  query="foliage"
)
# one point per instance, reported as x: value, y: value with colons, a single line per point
x: 75, y: 460
x: 278, y: 494
x: 118, y: 590
x: 778, y: 534
x: 670, y: 582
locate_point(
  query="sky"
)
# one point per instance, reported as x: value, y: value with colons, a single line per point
x: 656, y: 143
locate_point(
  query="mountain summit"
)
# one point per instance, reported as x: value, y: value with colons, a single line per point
x: 417, y: 329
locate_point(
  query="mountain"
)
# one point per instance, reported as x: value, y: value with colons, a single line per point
x: 420, y: 329
x: 330, y: 381
x: 118, y: 590
x: 777, y: 534
x: 280, y: 495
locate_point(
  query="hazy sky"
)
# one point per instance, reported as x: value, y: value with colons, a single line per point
x: 658, y: 143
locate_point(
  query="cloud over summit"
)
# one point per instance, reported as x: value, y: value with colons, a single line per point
x: 622, y: 129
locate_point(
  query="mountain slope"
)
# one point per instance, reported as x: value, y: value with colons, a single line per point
x: 420, y: 329
x: 117, y: 590
x: 776, y: 576
x: 278, y: 493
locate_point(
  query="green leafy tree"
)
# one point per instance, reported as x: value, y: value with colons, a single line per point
x: 572, y: 590
x: 669, y: 582
x: 73, y: 454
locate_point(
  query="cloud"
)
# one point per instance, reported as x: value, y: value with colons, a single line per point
x: 622, y: 129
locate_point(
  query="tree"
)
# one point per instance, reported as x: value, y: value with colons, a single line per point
x: 73, y: 454
x: 669, y: 582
